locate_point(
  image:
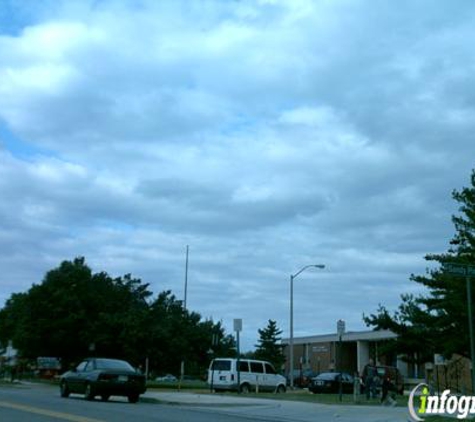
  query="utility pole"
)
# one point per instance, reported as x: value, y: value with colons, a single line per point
x: 182, y: 366
x: 186, y: 277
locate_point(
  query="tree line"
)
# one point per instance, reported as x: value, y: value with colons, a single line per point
x: 75, y: 313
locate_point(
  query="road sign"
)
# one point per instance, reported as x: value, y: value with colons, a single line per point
x: 468, y: 271
x: 340, y: 327
x: 238, y: 324
x: 439, y: 359
x: 459, y: 269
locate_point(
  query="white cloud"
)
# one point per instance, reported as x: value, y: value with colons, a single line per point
x: 265, y: 134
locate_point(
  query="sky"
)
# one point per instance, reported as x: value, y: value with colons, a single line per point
x: 267, y: 135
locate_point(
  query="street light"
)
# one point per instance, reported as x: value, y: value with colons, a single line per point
x: 291, y: 342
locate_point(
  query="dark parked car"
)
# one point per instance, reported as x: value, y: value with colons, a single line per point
x: 329, y: 382
x: 103, y: 377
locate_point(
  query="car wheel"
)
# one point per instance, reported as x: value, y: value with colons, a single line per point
x: 105, y: 397
x: 133, y: 398
x: 89, y: 392
x: 281, y: 389
x: 64, y: 389
x: 245, y: 389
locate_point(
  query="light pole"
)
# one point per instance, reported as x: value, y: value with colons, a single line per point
x: 291, y: 341
x: 182, y: 366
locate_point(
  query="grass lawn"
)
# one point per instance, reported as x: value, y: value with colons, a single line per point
x: 197, y: 385
x: 305, y: 396
x: 296, y: 395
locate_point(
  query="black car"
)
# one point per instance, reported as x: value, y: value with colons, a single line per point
x: 103, y: 377
x: 329, y: 382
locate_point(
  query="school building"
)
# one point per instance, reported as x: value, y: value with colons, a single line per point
x: 321, y: 353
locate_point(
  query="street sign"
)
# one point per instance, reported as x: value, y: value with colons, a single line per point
x: 238, y: 324
x: 468, y: 271
x: 340, y: 327
x: 460, y: 269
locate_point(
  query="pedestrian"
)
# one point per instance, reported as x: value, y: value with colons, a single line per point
x: 368, y: 376
x: 387, y: 388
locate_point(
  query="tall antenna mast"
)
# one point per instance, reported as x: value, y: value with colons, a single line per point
x: 186, y: 277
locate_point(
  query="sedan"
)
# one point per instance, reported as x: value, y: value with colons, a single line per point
x: 103, y: 377
x: 329, y: 382
x: 167, y: 378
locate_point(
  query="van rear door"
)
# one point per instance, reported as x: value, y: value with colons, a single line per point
x: 219, y: 373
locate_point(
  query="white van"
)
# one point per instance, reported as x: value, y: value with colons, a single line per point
x: 254, y: 375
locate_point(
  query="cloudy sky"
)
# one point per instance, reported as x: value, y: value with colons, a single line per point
x: 265, y: 134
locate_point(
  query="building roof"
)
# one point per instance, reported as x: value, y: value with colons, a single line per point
x: 348, y: 336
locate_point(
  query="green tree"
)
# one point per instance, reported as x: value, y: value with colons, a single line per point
x: 269, y: 347
x: 178, y: 335
x: 74, y: 313
x: 437, y: 322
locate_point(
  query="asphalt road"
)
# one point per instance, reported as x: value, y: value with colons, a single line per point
x: 39, y: 403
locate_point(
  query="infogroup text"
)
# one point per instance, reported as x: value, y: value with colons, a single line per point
x: 421, y: 404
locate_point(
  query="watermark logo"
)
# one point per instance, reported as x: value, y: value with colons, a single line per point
x: 422, y: 403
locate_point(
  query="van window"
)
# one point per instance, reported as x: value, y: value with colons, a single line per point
x: 269, y: 368
x: 221, y: 365
x: 243, y: 366
x: 257, y: 367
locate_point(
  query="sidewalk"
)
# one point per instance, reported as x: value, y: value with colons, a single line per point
x: 282, y: 410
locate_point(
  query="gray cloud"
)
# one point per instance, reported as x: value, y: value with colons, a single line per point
x: 266, y: 135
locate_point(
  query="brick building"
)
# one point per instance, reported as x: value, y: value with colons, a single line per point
x: 320, y: 353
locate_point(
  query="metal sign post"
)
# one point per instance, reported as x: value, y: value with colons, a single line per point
x: 340, y: 328
x: 238, y: 329
x: 468, y: 271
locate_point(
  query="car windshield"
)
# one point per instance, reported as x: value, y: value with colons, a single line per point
x: 113, y: 364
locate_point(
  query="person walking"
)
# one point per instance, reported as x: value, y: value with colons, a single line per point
x: 368, y: 376
x: 387, y: 388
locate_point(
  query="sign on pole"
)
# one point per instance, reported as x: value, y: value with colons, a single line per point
x: 459, y: 269
x: 238, y: 328
x: 340, y: 327
x: 468, y: 271
x: 238, y: 324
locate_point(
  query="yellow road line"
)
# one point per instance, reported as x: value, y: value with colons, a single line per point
x: 50, y: 413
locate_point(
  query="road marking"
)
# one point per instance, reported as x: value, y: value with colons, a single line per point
x: 50, y: 413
